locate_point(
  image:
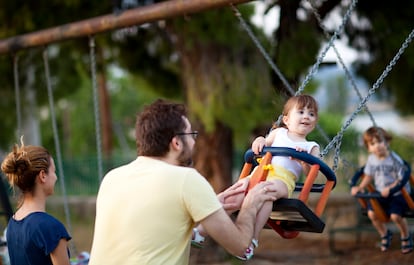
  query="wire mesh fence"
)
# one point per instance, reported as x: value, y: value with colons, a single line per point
x: 81, y: 174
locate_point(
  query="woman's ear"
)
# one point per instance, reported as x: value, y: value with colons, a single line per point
x: 42, y: 176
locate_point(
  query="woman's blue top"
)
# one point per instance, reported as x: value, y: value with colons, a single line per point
x: 31, y: 240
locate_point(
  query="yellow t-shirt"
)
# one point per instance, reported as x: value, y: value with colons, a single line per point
x: 145, y: 213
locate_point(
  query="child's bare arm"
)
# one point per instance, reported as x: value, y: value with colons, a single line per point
x: 361, y: 187
x: 305, y: 166
x: 260, y: 142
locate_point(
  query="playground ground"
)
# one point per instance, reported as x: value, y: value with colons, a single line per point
x: 346, y: 239
x: 315, y: 250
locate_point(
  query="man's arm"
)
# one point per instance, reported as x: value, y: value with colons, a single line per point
x: 236, y: 236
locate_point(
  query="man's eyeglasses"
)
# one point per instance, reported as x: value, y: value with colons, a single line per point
x: 194, y: 134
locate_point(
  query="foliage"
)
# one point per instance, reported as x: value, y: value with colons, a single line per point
x: 297, y: 51
x: 387, y: 26
x: 170, y: 59
x: 173, y: 50
x: 76, y: 112
x: 148, y: 53
x: 404, y: 147
x: 8, y: 107
x: 20, y: 17
x: 330, y: 124
x: 235, y: 89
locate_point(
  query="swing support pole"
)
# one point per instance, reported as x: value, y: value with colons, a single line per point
x: 127, y: 18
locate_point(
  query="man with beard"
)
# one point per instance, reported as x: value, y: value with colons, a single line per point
x: 146, y: 210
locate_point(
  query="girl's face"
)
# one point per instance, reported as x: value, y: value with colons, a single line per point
x: 300, y: 121
x: 378, y: 147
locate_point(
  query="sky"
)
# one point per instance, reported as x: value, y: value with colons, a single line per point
x: 270, y: 21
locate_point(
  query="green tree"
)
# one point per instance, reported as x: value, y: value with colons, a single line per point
x: 377, y: 30
x: 214, y: 69
x: 380, y: 35
x: 183, y: 43
x: 150, y: 53
x: 20, y: 17
x: 205, y: 60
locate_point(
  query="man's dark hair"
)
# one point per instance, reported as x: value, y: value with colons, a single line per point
x: 156, y: 125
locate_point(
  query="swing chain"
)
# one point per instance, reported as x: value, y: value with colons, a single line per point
x: 315, y: 67
x: 371, y: 91
x: 341, y: 61
x: 17, y: 94
x: 57, y: 144
x: 262, y: 50
x: 96, y: 105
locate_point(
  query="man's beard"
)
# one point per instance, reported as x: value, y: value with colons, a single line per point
x: 185, y: 158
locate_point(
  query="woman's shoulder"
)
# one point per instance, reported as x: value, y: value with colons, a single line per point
x: 48, y: 224
x: 43, y: 219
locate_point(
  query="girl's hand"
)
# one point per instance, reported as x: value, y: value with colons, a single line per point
x: 299, y: 150
x: 305, y: 166
x: 258, y: 144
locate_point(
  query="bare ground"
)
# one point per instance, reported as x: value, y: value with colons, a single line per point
x: 315, y: 249
x: 342, y: 247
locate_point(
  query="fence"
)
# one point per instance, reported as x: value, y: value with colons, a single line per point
x: 81, y: 174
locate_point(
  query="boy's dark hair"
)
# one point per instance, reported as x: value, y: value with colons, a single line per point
x: 377, y: 133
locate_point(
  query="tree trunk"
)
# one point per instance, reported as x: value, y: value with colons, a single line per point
x: 213, y: 157
x: 213, y: 154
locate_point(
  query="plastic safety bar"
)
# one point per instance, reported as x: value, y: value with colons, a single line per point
x: 250, y: 157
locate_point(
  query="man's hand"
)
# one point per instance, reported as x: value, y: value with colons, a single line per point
x: 231, y: 206
x: 257, y: 196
